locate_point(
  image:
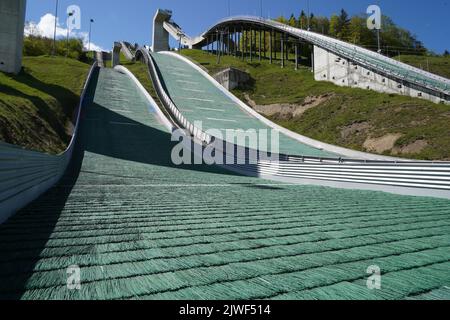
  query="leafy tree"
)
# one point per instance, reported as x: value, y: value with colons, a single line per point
x: 37, y: 46
x: 334, y: 26
x: 394, y: 39
x: 343, y: 25
x: 281, y: 19
x: 292, y: 21
x: 359, y: 33
x: 302, y: 20
x: 321, y: 25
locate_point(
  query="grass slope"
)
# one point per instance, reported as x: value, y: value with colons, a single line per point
x: 36, y: 106
x: 379, y: 114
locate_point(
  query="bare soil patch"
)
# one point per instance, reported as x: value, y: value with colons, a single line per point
x: 288, y: 110
x: 382, y: 144
x: 412, y: 148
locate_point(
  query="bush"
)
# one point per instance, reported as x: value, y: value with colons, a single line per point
x: 39, y: 46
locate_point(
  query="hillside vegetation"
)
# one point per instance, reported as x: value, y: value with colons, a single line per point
x: 353, y: 118
x: 37, y: 106
x: 439, y: 65
x: 34, y: 46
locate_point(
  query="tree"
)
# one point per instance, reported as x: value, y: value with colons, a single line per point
x: 446, y: 53
x: 281, y: 19
x: 358, y: 32
x: 302, y: 20
x: 322, y: 25
x: 334, y: 25
x: 292, y: 21
x: 343, y: 25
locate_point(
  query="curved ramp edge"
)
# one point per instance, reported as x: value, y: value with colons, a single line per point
x: 25, y: 175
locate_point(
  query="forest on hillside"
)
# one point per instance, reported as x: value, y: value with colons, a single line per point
x: 395, y: 40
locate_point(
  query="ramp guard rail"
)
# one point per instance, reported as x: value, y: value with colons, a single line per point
x: 25, y: 175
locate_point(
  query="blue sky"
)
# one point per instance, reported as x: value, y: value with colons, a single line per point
x: 132, y: 20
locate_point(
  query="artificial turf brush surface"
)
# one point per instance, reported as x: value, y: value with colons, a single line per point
x: 141, y: 228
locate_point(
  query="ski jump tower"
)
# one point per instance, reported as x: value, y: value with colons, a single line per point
x: 160, y: 34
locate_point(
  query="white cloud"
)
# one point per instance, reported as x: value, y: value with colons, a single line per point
x: 46, y: 28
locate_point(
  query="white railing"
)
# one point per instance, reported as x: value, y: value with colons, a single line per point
x: 25, y: 174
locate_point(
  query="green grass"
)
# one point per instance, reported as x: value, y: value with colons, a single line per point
x: 37, y: 106
x: 416, y: 119
x: 439, y: 65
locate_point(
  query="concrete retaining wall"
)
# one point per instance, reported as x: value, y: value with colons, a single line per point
x: 232, y: 78
x: 343, y: 72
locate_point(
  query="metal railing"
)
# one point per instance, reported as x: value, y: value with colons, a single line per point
x: 25, y: 174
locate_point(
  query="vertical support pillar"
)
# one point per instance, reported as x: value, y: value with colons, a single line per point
x: 286, y: 38
x: 282, y: 50
x: 234, y: 42
x: 228, y: 41
x: 275, y: 45
x: 238, y: 42
x: 244, y: 43
x: 270, y: 45
x: 217, y: 43
x: 264, y: 37
x: 296, y: 56
x: 251, y: 44
x: 211, y: 44
x: 260, y: 41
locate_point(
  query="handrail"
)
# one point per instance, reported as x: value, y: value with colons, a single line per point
x: 27, y: 174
